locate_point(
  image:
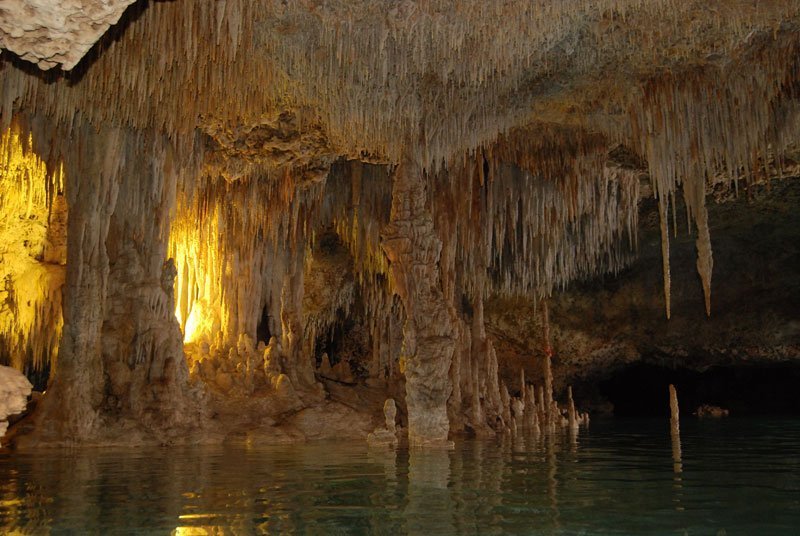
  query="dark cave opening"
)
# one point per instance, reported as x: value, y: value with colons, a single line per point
x: 332, y: 342
x: 39, y: 377
x: 263, y: 333
x: 345, y: 340
x: 641, y: 390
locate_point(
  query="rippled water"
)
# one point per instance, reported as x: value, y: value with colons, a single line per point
x: 735, y: 477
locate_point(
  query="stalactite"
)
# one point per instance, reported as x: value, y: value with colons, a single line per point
x: 232, y: 243
x: 179, y: 59
x: 662, y: 218
x: 705, y: 261
x: 552, y: 208
x: 32, y: 233
x: 717, y: 124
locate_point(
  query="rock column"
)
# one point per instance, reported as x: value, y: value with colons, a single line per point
x: 73, y: 399
x: 413, y: 250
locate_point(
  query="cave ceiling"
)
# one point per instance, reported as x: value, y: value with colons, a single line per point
x: 276, y: 83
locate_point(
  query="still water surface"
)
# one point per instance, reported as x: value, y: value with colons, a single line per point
x: 736, y: 476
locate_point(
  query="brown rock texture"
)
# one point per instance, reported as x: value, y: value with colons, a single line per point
x: 56, y: 33
x: 413, y: 250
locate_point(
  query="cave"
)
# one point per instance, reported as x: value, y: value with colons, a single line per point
x: 410, y: 225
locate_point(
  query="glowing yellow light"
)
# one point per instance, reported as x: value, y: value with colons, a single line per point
x: 194, y: 249
x: 192, y: 323
x: 197, y: 531
x: 32, y: 252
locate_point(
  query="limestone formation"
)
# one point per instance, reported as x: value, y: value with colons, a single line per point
x: 388, y: 434
x: 14, y: 391
x: 413, y: 250
x: 52, y: 34
x: 675, y: 430
x: 674, y: 412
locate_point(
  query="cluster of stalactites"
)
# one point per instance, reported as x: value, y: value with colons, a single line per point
x: 356, y: 203
x: 540, y: 208
x: 373, y: 76
x: 32, y: 253
x: 232, y: 244
x: 728, y: 122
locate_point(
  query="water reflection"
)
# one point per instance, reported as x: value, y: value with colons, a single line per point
x: 616, y: 478
x: 428, y: 493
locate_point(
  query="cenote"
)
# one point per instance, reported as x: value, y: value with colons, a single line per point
x: 399, y: 266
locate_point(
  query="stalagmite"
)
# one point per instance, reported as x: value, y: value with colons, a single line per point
x: 518, y: 410
x: 388, y: 434
x: 674, y: 412
x: 675, y: 430
x: 506, y: 403
x: 551, y: 409
x: 531, y: 413
x: 572, y: 414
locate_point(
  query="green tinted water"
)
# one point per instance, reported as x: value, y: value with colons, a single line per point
x: 735, y: 477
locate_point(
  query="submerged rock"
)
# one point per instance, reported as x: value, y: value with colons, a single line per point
x: 707, y: 410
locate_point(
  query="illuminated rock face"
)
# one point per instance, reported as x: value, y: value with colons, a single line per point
x: 32, y: 255
x: 55, y: 33
x: 120, y: 353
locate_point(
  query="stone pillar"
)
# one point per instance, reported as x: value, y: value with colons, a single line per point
x: 121, y: 352
x: 70, y: 409
x: 413, y: 250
